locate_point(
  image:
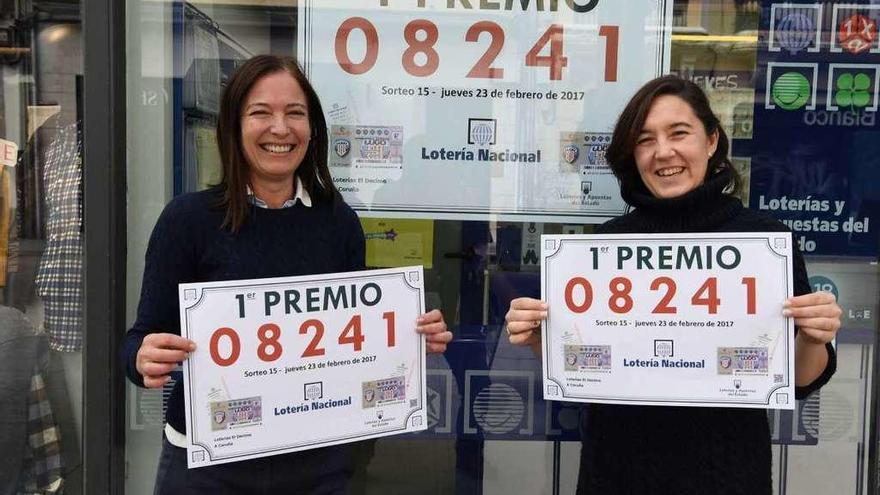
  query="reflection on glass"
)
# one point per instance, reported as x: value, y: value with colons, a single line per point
x: 41, y: 269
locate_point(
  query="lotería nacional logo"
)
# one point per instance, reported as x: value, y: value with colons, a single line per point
x: 570, y: 153
x: 313, y: 391
x: 342, y: 147
x: 481, y: 132
x: 664, y: 348
x: 795, y: 32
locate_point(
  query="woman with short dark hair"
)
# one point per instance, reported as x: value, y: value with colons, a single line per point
x: 624, y: 142
x: 669, y: 153
x: 276, y: 213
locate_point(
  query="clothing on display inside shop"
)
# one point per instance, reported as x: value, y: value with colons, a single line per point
x: 59, y: 277
x: 29, y: 435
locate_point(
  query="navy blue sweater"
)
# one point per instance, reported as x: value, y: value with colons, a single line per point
x: 631, y: 449
x: 189, y: 245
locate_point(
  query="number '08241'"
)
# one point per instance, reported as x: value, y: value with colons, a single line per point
x: 579, y: 295
x: 270, y: 347
x: 422, y: 35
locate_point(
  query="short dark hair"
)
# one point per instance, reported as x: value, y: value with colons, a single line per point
x: 313, y: 171
x: 620, y: 153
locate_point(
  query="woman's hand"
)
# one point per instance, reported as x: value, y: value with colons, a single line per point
x: 524, y: 322
x: 432, y: 326
x: 816, y: 315
x: 159, y: 355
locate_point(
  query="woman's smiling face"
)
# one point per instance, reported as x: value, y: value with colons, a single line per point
x: 275, y: 129
x: 672, y: 151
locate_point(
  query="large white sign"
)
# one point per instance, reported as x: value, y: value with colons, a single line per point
x: 462, y: 108
x: 669, y: 319
x: 288, y: 364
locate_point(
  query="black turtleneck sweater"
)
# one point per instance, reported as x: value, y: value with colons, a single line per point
x: 685, y: 450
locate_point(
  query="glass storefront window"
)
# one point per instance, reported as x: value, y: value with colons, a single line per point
x: 475, y: 224
x: 41, y: 247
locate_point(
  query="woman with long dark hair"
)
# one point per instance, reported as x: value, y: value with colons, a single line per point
x: 276, y: 213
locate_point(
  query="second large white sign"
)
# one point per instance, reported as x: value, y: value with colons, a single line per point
x: 669, y: 319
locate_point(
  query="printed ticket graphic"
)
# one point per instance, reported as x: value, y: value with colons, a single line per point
x: 366, y: 146
x: 296, y: 363
x: 669, y: 319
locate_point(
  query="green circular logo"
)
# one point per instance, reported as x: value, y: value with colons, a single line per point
x: 791, y: 91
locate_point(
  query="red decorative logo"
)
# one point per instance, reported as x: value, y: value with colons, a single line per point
x: 857, y: 34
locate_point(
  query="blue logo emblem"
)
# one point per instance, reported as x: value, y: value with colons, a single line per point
x: 341, y: 147
x: 795, y: 32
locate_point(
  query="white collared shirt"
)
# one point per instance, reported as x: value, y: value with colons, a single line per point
x: 301, y: 195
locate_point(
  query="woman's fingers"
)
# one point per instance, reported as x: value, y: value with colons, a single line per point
x: 816, y: 315
x: 524, y: 320
x: 820, y: 324
x: 814, y: 311
x: 516, y: 327
x: 157, y: 369
x: 433, y: 327
x: 817, y: 336
x: 168, y: 341
x: 156, y: 381
x: 159, y: 355
x: 165, y: 355
x: 812, y: 299
x: 437, y: 342
x: 523, y: 338
x: 528, y: 303
x: 526, y: 315
x: 432, y: 316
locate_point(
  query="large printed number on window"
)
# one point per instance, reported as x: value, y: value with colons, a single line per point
x: 483, y: 69
x: 556, y: 61
x: 421, y: 59
x: 612, y: 42
x: 417, y: 46
x: 372, y: 51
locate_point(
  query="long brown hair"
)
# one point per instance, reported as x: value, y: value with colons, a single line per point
x: 631, y: 121
x: 313, y: 171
